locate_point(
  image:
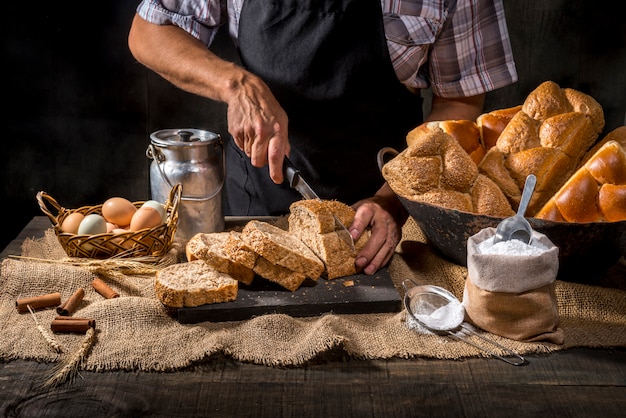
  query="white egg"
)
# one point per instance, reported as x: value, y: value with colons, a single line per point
x: 92, y: 224
x: 158, y: 206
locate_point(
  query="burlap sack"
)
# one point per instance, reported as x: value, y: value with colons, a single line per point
x: 513, y: 295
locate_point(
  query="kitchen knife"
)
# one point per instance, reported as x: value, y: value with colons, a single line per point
x: 297, y: 182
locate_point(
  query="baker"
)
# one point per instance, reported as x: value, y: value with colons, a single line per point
x: 327, y: 83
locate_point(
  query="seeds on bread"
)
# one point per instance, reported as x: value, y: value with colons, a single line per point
x: 313, y: 223
x: 193, y: 284
x: 289, y: 279
x: 280, y: 247
x: 239, y: 251
x: 222, y: 251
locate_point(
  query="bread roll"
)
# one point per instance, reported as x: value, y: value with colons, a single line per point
x: 595, y: 193
x: 435, y: 169
x: 549, y: 100
x: 466, y: 134
x: 612, y: 202
x: 549, y: 138
x: 491, y: 124
x: 192, y: 284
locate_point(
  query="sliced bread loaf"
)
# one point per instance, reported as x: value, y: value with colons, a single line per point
x: 280, y: 247
x: 217, y: 250
x: 239, y: 251
x: 192, y: 284
x: 312, y: 222
x: 289, y: 279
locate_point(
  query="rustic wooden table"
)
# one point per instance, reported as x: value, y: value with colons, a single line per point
x: 578, y: 382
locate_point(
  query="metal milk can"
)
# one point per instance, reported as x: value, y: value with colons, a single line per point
x: 195, y: 159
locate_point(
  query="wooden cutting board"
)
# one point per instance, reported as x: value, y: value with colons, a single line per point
x: 355, y: 294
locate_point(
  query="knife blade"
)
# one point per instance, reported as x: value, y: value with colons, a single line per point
x: 297, y: 182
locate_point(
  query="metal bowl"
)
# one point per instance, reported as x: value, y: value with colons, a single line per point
x: 586, y: 250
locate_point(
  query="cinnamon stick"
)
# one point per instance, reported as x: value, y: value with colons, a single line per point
x: 67, y: 324
x: 69, y: 306
x: 36, y: 302
x: 101, y: 287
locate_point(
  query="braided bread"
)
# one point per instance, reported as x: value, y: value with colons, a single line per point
x: 596, y: 192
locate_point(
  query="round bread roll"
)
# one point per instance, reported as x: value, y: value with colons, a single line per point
x: 491, y: 124
x: 465, y: 132
x: 607, y: 165
x: 577, y: 200
x: 612, y: 202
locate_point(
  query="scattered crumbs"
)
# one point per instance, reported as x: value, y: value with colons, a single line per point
x: 348, y: 283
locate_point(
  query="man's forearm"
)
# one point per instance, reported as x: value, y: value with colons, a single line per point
x: 467, y: 108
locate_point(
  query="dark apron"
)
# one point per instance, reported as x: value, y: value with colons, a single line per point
x: 328, y: 65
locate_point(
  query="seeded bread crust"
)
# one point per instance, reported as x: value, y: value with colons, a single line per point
x: 215, y: 250
x: 282, y: 248
x: 192, y: 284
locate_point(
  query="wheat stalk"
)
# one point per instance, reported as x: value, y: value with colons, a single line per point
x: 67, y: 370
x: 137, y: 265
x: 49, y: 339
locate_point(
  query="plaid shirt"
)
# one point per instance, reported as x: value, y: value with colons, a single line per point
x: 458, y: 47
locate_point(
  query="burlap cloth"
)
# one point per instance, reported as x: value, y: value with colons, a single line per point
x: 135, y: 332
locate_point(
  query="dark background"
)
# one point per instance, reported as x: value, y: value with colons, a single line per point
x: 78, y: 110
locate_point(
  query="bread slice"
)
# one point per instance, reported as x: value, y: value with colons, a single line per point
x: 280, y: 247
x: 239, y: 251
x: 313, y: 223
x: 221, y: 250
x: 192, y: 284
x: 289, y: 279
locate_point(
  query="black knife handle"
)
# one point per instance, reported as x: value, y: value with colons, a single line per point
x: 290, y: 172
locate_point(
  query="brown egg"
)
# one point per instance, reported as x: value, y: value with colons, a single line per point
x: 145, y: 217
x: 118, y: 210
x: 71, y: 222
x: 111, y: 227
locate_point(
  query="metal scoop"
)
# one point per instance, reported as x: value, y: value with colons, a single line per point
x: 517, y: 227
x: 440, y: 312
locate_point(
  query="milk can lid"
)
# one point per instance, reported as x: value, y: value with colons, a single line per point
x: 183, y: 137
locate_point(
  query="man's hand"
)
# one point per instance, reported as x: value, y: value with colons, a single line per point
x: 258, y: 124
x: 256, y: 120
x: 385, y: 215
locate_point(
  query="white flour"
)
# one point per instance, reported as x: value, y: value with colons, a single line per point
x: 448, y: 316
x: 445, y: 317
x: 511, y: 247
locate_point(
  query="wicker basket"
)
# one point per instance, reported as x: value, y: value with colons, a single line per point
x: 145, y: 242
